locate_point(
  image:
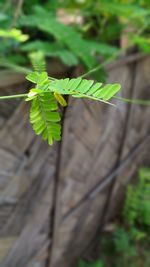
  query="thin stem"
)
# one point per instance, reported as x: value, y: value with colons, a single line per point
x: 17, y: 12
x: 52, y: 78
x: 133, y: 101
x: 15, y: 67
x: 94, y: 98
x: 13, y: 96
x: 104, y: 63
x: 118, y: 53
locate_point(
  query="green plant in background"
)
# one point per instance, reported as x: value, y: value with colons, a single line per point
x: 90, y: 264
x: 56, y: 42
x: 128, y: 245
x: 103, y: 22
x: 70, y: 46
x: 131, y: 241
x: 117, y: 14
x: 14, y: 34
x: 137, y: 204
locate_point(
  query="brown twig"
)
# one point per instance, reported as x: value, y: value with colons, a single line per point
x: 17, y: 12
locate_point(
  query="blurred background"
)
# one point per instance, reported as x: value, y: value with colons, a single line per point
x: 85, y: 201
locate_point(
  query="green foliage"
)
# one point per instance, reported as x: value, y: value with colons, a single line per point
x: 44, y: 115
x: 90, y: 264
x: 67, y: 36
x: 51, y: 49
x: 137, y: 204
x: 110, y: 19
x: 142, y: 42
x: 69, y: 44
x: 14, y: 34
x: 41, y: 78
x: 10, y: 39
x: 123, y: 243
x: 95, y: 39
x: 38, y: 62
x: 128, y: 245
x: 123, y: 9
x: 79, y: 87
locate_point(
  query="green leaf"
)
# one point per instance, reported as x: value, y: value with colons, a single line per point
x: 33, y: 93
x: 142, y: 42
x: 137, y: 203
x: 78, y: 87
x: 122, y: 9
x: 45, y: 118
x: 78, y: 47
x: 60, y: 99
x: 15, y: 34
x: 51, y: 49
x: 38, y: 61
x: 36, y: 77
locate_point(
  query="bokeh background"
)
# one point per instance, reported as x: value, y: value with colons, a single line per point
x: 70, y: 204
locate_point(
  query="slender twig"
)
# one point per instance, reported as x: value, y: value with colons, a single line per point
x: 7, y: 97
x: 15, y: 67
x: 133, y: 101
x: 119, y: 52
x: 17, y: 12
x: 114, y: 56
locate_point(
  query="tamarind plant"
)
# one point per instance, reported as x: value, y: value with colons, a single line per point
x: 47, y: 93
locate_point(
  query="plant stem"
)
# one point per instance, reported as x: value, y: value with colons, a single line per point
x: 114, y: 56
x: 17, y: 12
x: 133, y: 101
x: 15, y: 67
x: 13, y: 96
x: 117, y: 53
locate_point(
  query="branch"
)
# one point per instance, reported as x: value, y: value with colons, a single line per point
x: 17, y: 12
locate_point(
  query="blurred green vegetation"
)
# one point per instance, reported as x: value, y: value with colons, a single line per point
x: 75, y: 32
x: 128, y: 244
